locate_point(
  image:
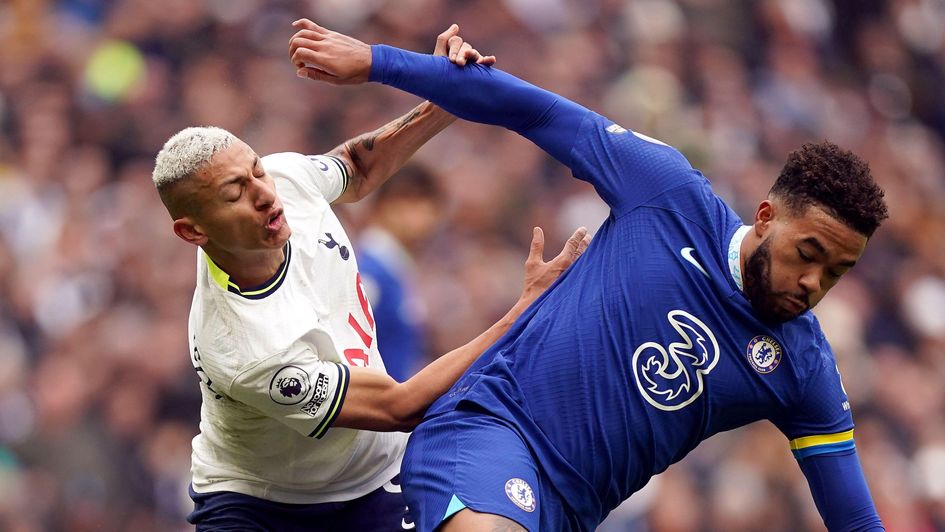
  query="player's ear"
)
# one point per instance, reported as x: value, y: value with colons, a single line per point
x: 189, y: 231
x: 764, y: 217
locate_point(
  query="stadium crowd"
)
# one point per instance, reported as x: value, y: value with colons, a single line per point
x: 98, y: 398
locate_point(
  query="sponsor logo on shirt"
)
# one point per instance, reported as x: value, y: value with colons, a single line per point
x: 670, y: 376
x: 764, y: 354
x: 519, y: 492
x: 289, y: 385
x: 687, y: 255
x: 318, y: 396
x: 615, y: 129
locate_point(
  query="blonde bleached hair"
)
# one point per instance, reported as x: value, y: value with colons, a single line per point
x: 182, y: 156
x: 187, y: 151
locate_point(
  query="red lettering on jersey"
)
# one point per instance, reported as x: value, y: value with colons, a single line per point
x: 364, y: 304
x: 365, y: 337
x: 356, y: 357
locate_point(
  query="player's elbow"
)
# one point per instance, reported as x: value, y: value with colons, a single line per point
x: 361, y: 190
x: 377, y: 402
x: 386, y: 410
x: 402, y: 409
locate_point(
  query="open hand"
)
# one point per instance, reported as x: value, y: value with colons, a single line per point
x: 540, y: 274
x: 325, y: 55
x: 450, y: 44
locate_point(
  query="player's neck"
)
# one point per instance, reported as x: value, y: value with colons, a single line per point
x: 749, y: 244
x: 247, y: 268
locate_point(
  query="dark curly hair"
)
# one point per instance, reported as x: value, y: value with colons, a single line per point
x: 834, y: 179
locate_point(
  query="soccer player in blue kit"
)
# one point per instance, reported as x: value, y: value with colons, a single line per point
x: 679, y: 322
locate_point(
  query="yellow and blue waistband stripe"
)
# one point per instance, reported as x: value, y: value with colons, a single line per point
x: 808, y: 446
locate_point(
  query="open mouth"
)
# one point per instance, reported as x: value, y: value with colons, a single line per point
x: 275, y: 221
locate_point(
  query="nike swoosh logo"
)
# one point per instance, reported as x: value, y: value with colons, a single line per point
x: 407, y: 526
x: 687, y: 256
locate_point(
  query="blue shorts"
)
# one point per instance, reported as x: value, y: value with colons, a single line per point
x: 466, y: 459
x: 384, y: 509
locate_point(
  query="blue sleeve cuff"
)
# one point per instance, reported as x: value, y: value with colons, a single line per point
x: 840, y: 491
x: 379, y: 57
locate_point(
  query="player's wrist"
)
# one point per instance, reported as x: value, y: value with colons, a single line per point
x: 437, y: 114
x: 377, y: 68
x: 517, y: 309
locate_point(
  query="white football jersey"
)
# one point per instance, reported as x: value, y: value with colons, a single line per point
x: 273, y: 360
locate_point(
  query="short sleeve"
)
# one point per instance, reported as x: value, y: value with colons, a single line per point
x: 323, y: 175
x: 295, y: 388
x: 821, y: 421
x: 627, y: 168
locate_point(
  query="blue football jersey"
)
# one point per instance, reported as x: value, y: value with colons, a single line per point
x: 387, y: 272
x: 647, y: 345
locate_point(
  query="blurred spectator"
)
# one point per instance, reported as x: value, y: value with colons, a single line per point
x: 403, y: 215
x: 97, y: 395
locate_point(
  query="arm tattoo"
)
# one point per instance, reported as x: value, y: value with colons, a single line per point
x: 348, y: 169
x: 367, y: 141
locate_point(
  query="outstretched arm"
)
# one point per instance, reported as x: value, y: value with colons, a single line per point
x: 840, y: 492
x: 373, y: 157
x: 474, y: 93
x: 626, y: 168
x: 375, y: 401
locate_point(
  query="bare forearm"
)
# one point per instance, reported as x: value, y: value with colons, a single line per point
x: 437, y: 377
x: 375, y: 156
x: 377, y: 402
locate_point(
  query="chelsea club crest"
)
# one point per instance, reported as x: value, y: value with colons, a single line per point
x: 764, y: 353
x: 521, y: 494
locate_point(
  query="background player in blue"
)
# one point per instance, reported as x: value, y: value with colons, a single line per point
x: 402, y: 218
x: 679, y: 322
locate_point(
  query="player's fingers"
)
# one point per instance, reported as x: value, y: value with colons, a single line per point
x: 309, y: 34
x: 486, y: 60
x: 472, y: 55
x: 466, y: 52
x: 304, y: 57
x: 536, y: 251
x: 443, y: 38
x: 300, y: 43
x: 572, y: 249
x: 453, y: 45
x: 314, y: 73
x: 582, y: 247
x: 303, y: 38
x: 304, y: 23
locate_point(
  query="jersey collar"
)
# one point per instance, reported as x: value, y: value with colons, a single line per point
x: 255, y: 292
x: 735, y: 255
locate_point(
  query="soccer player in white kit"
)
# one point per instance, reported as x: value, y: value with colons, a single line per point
x: 282, y: 336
